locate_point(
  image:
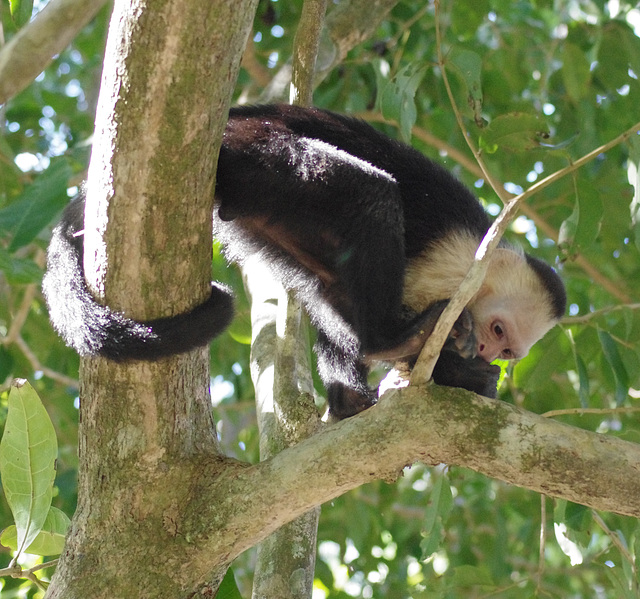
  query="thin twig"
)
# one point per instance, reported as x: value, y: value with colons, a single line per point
x: 305, y: 51
x: 21, y: 315
x: 37, y: 366
x: 16, y: 571
x: 543, y: 541
x: 583, y: 411
x: 25, y: 305
x: 13, y: 336
x: 596, y: 313
x: 469, y: 287
x: 406, y: 25
x: 615, y: 539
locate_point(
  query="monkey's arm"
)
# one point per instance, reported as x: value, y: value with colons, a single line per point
x: 458, y: 365
x: 93, y: 329
x: 407, y: 346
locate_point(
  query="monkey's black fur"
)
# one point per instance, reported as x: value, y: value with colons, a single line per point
x: 91, y: 328
x: 336, y: 209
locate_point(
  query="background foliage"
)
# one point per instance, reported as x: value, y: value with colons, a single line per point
x: 539, y: 84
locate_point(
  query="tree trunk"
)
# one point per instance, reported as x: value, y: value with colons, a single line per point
x: 170, y: 67
x: 281, y: 371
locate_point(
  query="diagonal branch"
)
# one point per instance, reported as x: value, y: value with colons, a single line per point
x: 31, y: 50
x: 285, y: 561
x: 475, y: 276
x: 616, y: 290
x: 430, y: 424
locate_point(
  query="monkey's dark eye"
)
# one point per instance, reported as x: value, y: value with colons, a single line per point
x: 497, y: 329
x: 507, y: 354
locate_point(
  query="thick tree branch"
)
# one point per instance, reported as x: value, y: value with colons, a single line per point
x: 169, y: 72
x: 430, y: 424
x: 286, y: 413
x: 31, y: 50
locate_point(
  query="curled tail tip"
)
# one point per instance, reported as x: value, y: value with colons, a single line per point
x: 164, y: 337
x: 95, y: 330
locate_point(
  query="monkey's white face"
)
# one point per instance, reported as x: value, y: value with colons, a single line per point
x: 507, y: 328
x: 510, y: 312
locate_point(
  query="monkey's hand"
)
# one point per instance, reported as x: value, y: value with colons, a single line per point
x: 473, y: 374
x: 407, y: 347
x: 462, y: 339
x: 458, y: 365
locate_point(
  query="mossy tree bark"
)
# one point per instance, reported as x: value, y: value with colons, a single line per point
x: 170, y: 68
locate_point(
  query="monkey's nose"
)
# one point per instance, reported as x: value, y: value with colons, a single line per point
x: 488, y: 353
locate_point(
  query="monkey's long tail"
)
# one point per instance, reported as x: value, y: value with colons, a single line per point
x: 93, y: 329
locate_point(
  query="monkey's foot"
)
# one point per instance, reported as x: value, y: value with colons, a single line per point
x: 345, y: 402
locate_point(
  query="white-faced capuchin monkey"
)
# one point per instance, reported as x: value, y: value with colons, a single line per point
x: 372, y: 237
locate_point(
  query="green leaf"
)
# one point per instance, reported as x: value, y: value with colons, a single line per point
x: 581, y: 228
x: 591, y: 215
x: 516, y: 132
x: 635, y: 542
x: 50, y: 540
x: 468, y: 65
x: 38, y: 205
x: 575, y: 71
x: 6, y: 363
x: 619, y: 584
x: 396, y: 98
x: 240, y: 329
x: 568, y: 228
x: 468, y: 17
x: 19, y: 271
x: 583, y: 378
x: 28, y: 452
x: 228, y: 588
x: 21, y: 11
x: 617, y: 51
x: 436, y: 515
x: 578, y: 520
x: 611, y: 354
x: 472, y: 576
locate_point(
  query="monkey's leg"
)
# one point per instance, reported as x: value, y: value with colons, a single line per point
x: 345, y: 378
